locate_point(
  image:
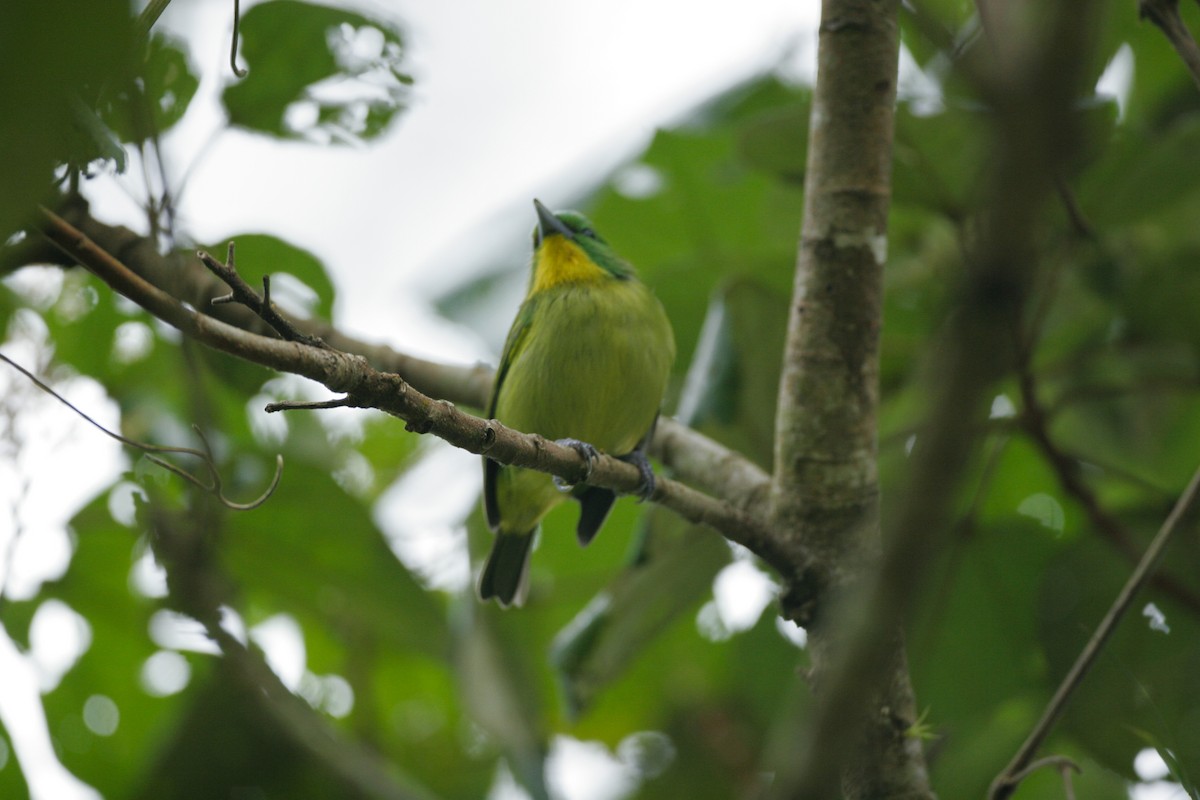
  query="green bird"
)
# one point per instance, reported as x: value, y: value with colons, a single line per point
x: 585, y: 363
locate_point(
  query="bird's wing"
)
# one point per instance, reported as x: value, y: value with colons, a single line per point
x: 518, y: 337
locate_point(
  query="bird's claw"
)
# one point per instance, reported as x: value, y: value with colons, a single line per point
x: 589, y: 454
x: 646, y: 490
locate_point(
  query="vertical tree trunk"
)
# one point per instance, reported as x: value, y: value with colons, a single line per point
x: 826, y: 489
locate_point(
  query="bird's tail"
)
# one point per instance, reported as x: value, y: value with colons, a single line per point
x: 504, y: 575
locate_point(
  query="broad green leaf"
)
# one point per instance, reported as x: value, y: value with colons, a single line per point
x: 982, y: 600
x: 737, y: 387
x: 111, y: 755
x: 159, y: 95
x: 229, y: 743
x: 938, y: 158
x: 12, y: 780
x: 318, y: 73
x: 1145, y: 177
x: 314, y: 552
x: 498, y: 686
x: 1143, y: 688
x: 671, y: 576
x: 52, y: 54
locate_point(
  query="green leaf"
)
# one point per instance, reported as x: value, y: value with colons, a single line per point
x: 12, y: 779
x: 1146, y: 176
x: 317, y: 73
x: 52, y: 54
x: 101, y: 141
x: 229, y: 743
x: 97, y: 586
x: 1143, y: 688
x: 939, y: 158
x: 673, y: 573
x: 159, y: 96
x: 733, y: 382
x: 328, y: 565
x: 497, y: 684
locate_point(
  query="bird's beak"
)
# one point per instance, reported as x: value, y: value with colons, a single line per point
x: 549, y: 224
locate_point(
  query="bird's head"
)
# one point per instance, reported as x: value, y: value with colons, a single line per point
x: 566, y: 249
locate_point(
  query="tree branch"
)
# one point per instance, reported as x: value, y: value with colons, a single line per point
x: 367, y: 387
x: 183, y: 543
x: 1030, y: 92
x: 826, y: 488
x: 693, y: 457
x: 1165, y: 14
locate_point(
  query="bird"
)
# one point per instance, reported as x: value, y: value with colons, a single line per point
x: 586, y: 363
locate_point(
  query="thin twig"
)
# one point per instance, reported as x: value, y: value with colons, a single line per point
x: 1165, y: 14
x: 1070, y: 202
x: 240, y: 292
x: 212, y: 485
x: 1061, y: 763
x: 319, y: 405
x: 150, y: 14
x: 237, y: 21
x: 1006, y: 782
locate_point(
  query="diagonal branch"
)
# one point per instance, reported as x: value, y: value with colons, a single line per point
x: 213, y: 485
x: 1034, y: 422
x: 1165, y: 14
x: 1007, y: 781
x: 367, y: 387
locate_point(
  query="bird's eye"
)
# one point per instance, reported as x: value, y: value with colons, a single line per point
x: 588, y: 232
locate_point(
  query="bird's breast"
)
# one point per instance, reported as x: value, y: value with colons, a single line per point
x: 595, y: 367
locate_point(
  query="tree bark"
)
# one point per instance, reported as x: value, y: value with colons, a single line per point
x: 826, y: 490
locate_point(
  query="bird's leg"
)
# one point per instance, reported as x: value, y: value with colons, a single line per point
x: 590, y: 455
x: 638, y: 459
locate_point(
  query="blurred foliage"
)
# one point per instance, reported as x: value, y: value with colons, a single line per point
x: 620, y: 645
x: 317, y: 73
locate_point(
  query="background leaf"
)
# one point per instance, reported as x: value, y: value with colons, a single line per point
x: 317, y: 73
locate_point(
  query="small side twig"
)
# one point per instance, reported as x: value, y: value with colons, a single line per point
x: 318, y: 405
x: 1065, y: 767
x: 240, y: 292
x: 237, y: 21
x: 1006, y: 782
x: 212, y: 485
x: 1165, y: 14
x: 1079, y: 221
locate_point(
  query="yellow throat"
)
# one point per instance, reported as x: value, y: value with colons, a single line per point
x: 559, y: 261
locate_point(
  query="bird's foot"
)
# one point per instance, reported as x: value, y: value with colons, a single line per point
x: 639, y: 460
x: 590, y: 455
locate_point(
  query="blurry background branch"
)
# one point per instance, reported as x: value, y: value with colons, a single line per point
x: 186, y: 545
x: 1165, y: 14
